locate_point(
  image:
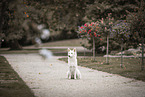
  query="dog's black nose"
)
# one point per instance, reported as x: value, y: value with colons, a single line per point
x: 69, y: 56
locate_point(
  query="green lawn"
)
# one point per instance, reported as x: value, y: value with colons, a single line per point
x: 63, y: 43
x: 131, y: 68
x: 57, y: 52
x: 11, y: 85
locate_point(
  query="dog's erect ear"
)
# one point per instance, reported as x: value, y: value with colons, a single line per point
x: 74, y: 49
x: 68, y: 49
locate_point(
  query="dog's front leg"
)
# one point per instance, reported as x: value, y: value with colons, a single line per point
x: 69, y: 75
x: 78, y: 74
x: 75, y: 75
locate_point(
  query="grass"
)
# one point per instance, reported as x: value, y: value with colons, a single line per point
x: 56, y: 52
x: 27, y: 51
x: 11, y: 85
x: 131, y: 67
x: 24, y: 51
x: 63, y: 43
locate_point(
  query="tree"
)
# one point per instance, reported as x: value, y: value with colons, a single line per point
x: 11, y: 19
x: 68, y: 15
x: 121, y: 34
x: 137, y: 21
x: 3, y: 18
x: 100, y: 9
x: 26, y: 15
x: 106, y: 28
x: 90, y: 30
x: 19, y: 19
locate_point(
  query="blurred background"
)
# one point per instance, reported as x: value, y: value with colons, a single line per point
x: 24, y: 21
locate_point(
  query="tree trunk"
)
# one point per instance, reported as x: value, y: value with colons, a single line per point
x: 142, y: 66
x: 121, y: 65
x: 93, y: 48
x: 107, y: 59
x: 14, y: 45
x: 84, y: 52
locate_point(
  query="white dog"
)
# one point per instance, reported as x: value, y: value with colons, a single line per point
x: 73, y: 72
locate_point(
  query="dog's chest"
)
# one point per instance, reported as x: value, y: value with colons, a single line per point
x: 72, y: 69
x: 72, y: 62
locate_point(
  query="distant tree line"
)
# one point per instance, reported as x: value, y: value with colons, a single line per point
x: 20, y: 18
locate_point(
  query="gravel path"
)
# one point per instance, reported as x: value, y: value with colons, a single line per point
x: 47, y: 78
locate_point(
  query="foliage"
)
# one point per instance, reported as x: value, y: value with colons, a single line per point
x: 89, y: 30
x: 100, y: 9
x: 137, y: 20
x: 63, y: 16
x: 99, y: 44
x: 121, y: 31
x: 23, y: 20
x: 138, y: 25
x: 3, y: 17
x: 26, y: 15
x: 20, y: 18
x: 12, y: 28
x: 119, y: 9
x: 106, y: 25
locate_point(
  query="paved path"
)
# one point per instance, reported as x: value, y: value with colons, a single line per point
x: 47, y: 78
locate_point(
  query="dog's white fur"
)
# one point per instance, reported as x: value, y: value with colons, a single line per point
x: 73, y: 72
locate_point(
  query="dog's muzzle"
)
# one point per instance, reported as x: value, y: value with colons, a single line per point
x: 69, y: 56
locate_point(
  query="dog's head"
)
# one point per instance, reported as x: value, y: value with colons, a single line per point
x: 71, y: 53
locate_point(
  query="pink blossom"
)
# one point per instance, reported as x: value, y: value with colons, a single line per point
x: 109, y: 13
x: 102, y: 21
x: 85, y: 25
x: 92, y: 23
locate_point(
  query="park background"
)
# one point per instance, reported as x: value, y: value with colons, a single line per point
x: 114, y: 27
x: 23, y: 22
x: 105, y: 26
